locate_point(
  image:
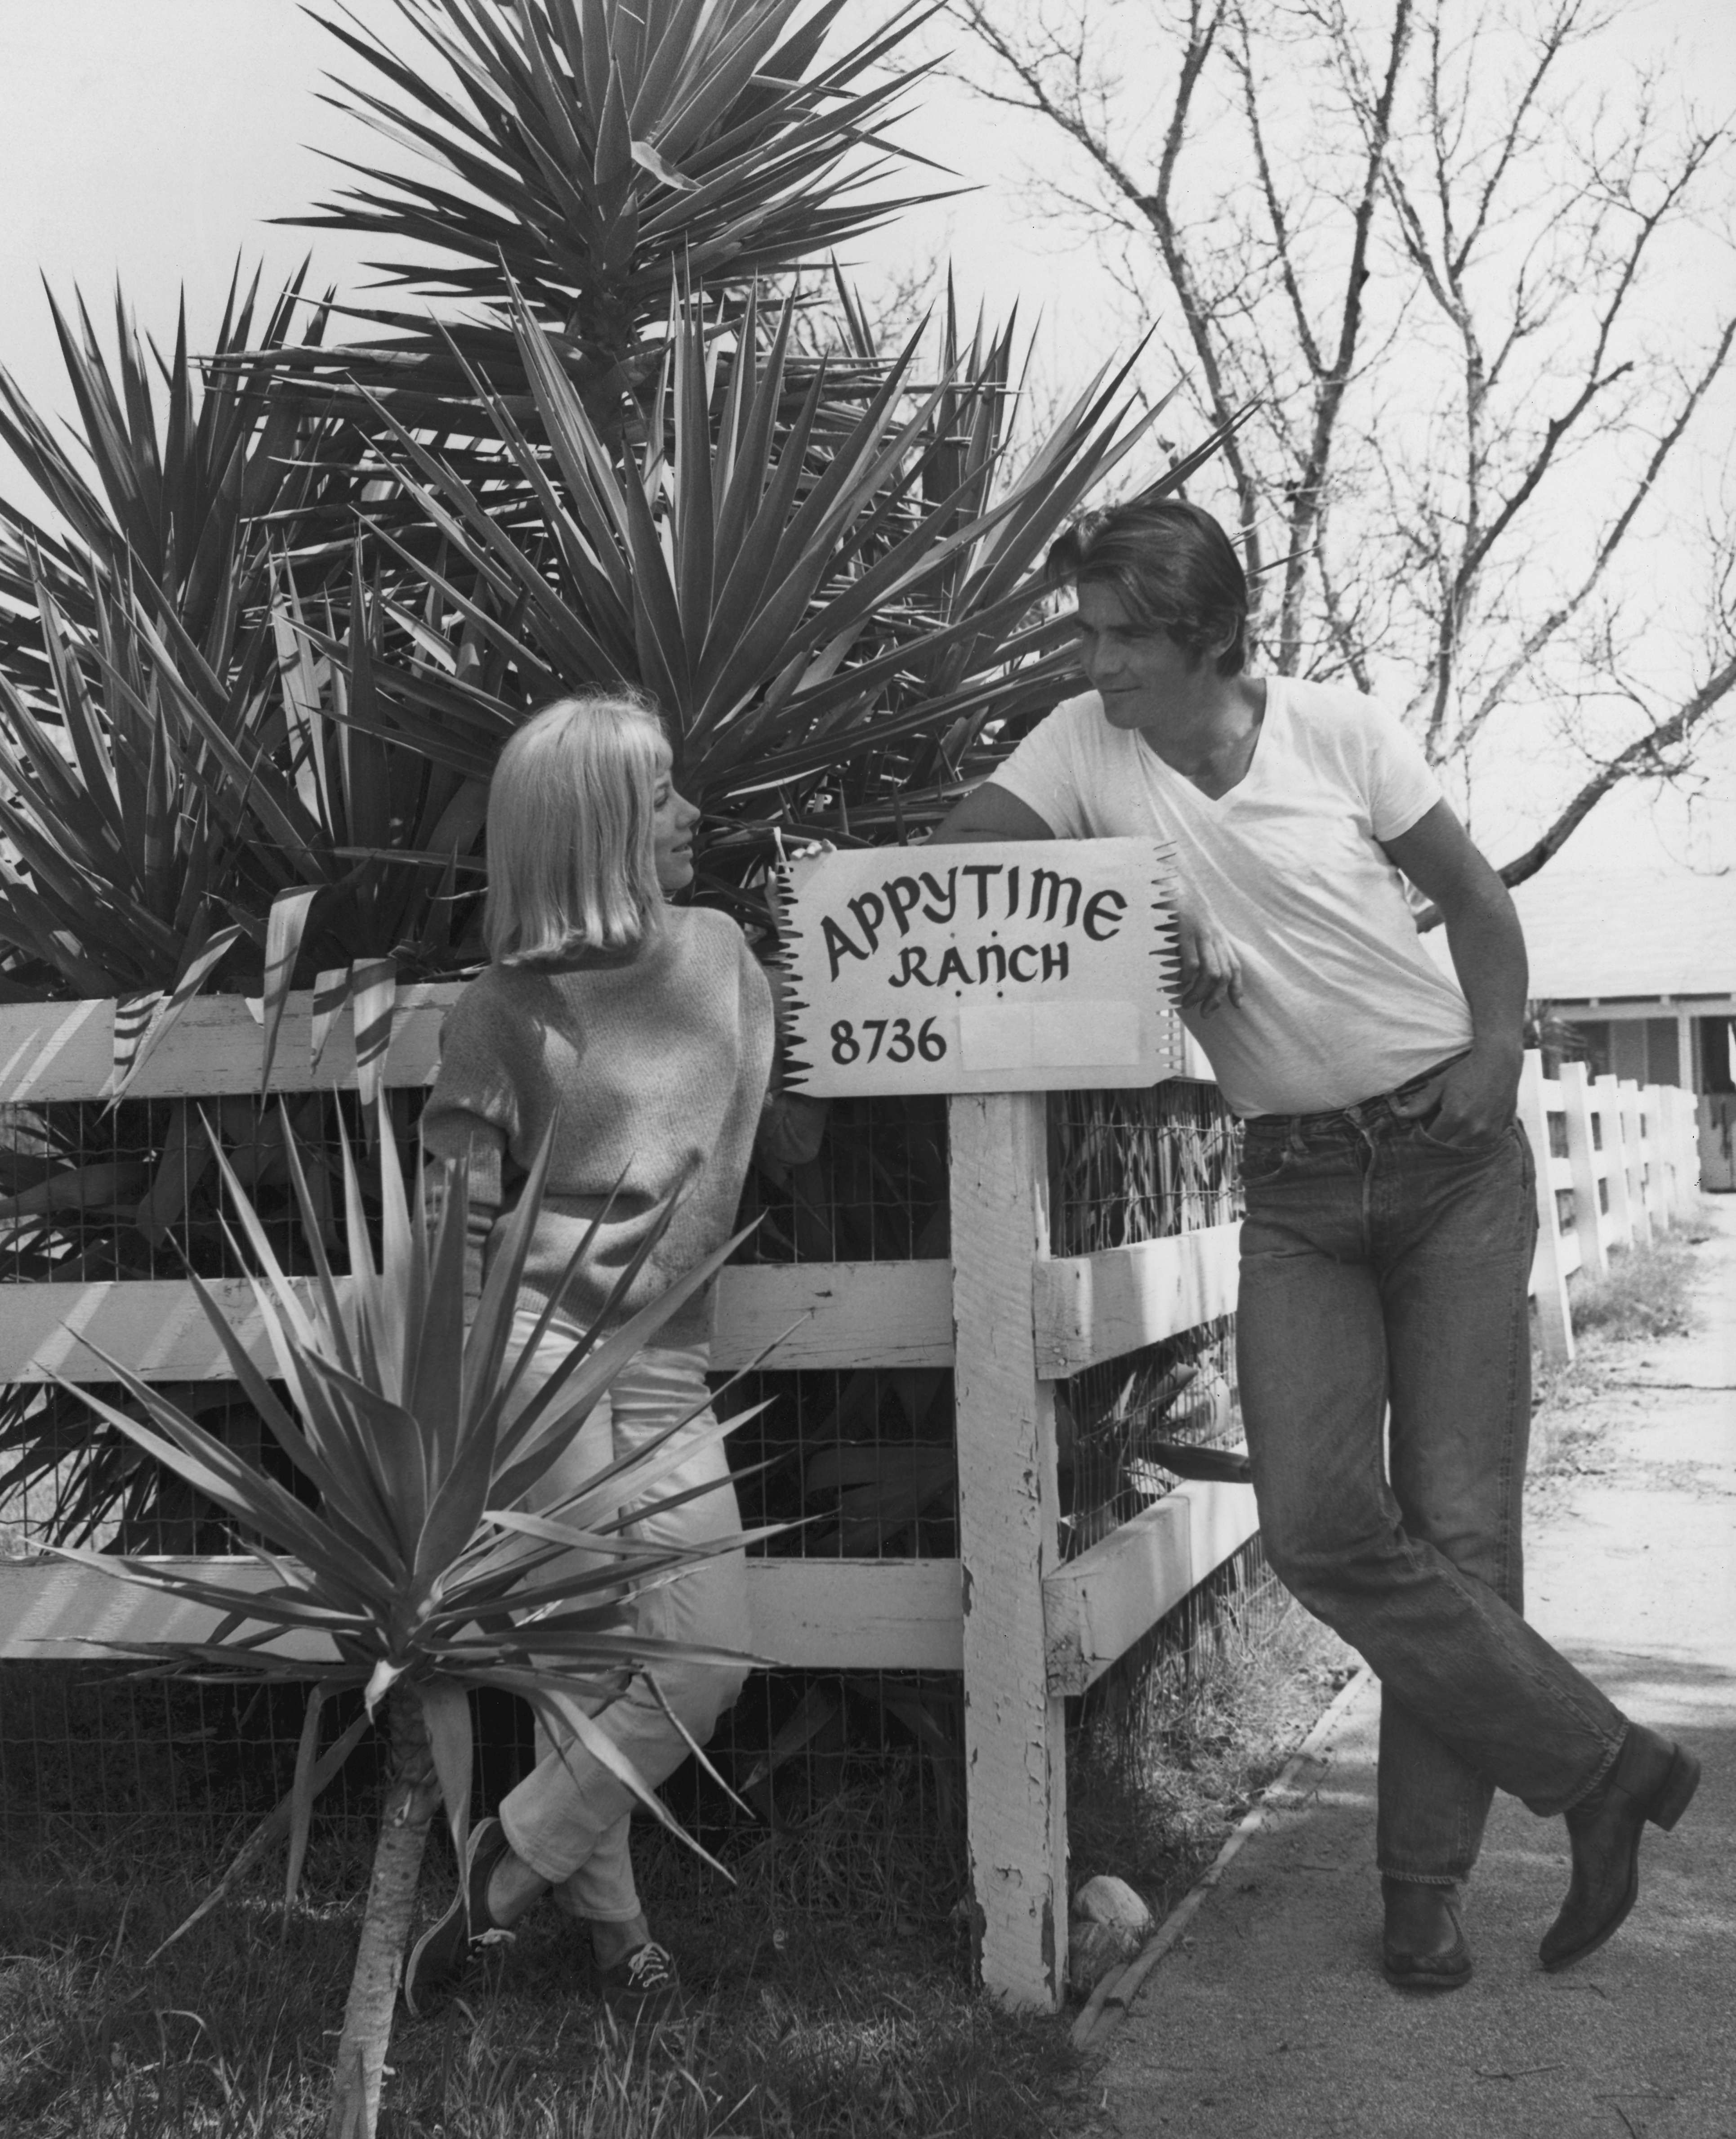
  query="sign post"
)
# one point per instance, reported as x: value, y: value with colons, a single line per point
x: 994, y: 973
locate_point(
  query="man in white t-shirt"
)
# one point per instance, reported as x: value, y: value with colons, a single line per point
x: 1391, y: 1201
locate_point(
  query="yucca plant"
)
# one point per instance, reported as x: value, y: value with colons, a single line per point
x: 406, y: 1545
x: 118, y: 852
x: 600, y: 152
x: 166, y: 477
x: 162, y: 781
x: 167, y: 791
x: 825, y: 608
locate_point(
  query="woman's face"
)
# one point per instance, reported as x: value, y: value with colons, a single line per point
x: 671, y: 834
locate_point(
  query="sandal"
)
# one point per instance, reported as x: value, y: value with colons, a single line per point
x: 441, y: 1956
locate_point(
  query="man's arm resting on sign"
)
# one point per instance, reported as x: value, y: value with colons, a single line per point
x: 1211, y: 973
x: 989, y: 812
x: 1475, y: 1099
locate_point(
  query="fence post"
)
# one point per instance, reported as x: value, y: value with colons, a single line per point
x: 1669, y: 1186
x: 1657, y: 1148
x: 1554, y: 1322
x: 1615, y: 1158
x: 1632, y: 1118
x: 1684, y: 1137
x: 1015, y: 1776
x: 1576, y: 1092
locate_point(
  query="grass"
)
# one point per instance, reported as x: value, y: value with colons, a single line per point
x: 1178, y: 1752
x: 828, y: 1997
x: 830, y: 1986
x: 1645, y: 1294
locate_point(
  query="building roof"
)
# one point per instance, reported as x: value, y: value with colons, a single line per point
x: 1629, y: 933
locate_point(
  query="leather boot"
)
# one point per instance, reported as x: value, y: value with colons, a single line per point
x: 1652, y: 1779
x: 1424, y: 1947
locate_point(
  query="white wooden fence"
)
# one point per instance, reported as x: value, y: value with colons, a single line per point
x: 1011, y: 1320
x: 1623, y: 1166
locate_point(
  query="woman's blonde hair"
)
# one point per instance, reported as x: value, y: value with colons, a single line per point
x: 572, y: 864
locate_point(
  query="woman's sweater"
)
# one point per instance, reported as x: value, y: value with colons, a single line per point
x: 653, y: 1068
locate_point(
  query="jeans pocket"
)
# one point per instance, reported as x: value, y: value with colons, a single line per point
x: 1263, y: 1161
x: 1486, y: 1149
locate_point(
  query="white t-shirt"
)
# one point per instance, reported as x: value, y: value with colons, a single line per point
x: 1341, y: 1001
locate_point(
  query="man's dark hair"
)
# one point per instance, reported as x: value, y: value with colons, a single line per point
x: 1174, y: 567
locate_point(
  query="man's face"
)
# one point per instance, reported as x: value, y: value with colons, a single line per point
x: 1136, y: 669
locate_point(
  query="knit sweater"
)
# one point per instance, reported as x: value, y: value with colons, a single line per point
x: 653, y: 1068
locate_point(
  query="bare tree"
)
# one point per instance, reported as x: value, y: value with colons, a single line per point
x: 1417, y: 240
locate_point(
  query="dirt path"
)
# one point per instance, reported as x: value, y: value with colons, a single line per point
x: 1271, y: 2017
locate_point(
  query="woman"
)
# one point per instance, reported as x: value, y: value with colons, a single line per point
x: 643, y: 1031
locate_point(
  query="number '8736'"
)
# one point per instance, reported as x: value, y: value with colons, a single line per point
x: 903, y: 1046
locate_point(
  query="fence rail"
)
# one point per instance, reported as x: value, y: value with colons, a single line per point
x: 1616, y: 1162
x: 1010, y: 1318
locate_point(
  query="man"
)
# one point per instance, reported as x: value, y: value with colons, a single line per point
x: 1390, y: 1212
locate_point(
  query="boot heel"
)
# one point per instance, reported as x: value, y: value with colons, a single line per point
x: 1677, y: 1791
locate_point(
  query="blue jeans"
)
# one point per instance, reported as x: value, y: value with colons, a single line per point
x: 1384, y: 1277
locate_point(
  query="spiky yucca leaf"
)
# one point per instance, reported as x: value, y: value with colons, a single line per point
x: 118, y: 850
x: 160, y: 775
x: 808, y: 602
x: 604, y: 148
x: 163, y: 472
x: 166, y: 788
x: 416, y: 1559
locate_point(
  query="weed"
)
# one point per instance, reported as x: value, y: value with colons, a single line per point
x: 1645, y: 1294
x: 1171, y: 1759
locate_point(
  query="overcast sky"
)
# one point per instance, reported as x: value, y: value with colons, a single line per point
x: 160, y: 138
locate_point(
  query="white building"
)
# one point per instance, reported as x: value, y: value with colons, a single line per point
x: 1645, y: 966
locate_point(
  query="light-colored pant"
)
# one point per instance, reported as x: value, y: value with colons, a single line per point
x: 569, y: 1819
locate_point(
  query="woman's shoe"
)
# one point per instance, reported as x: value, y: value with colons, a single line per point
x: 1653, y: 1780
x: 1423, y: 1946
x: 641, y: 1986
x: 441, y: 1956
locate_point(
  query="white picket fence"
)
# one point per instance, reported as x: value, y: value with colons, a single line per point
x: 1008, y: 1317
x: 1616, y: 1162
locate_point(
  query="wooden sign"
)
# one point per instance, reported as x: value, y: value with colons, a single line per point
x: 1026, y: 966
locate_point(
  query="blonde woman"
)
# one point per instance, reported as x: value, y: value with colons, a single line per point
x: 644, y: 1032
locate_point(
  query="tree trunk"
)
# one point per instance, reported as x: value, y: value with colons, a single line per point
x: 411, y: 1797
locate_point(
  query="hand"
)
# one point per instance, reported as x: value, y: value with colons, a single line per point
x: 1211, y: 969
x: 1472, y: 1102
x: 810, y: 850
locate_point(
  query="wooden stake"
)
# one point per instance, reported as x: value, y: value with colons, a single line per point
x: 1583, y: 1157
x: 1015, y: 1777
x: 1616, y: 1161
x: 1554, y: 1323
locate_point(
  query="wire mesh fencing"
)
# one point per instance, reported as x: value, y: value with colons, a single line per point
x: 134, y: 1193
x: 1127, y: 1167
x: 856, y: 1777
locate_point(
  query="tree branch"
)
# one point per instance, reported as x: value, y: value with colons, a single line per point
x: 1640, y: 755
x: 1539, y: 636
x: 1329, y: 397
x: 1155, y: 207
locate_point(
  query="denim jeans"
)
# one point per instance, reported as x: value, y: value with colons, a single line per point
x: 1383, y: 1350
x: 569, y: 1819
